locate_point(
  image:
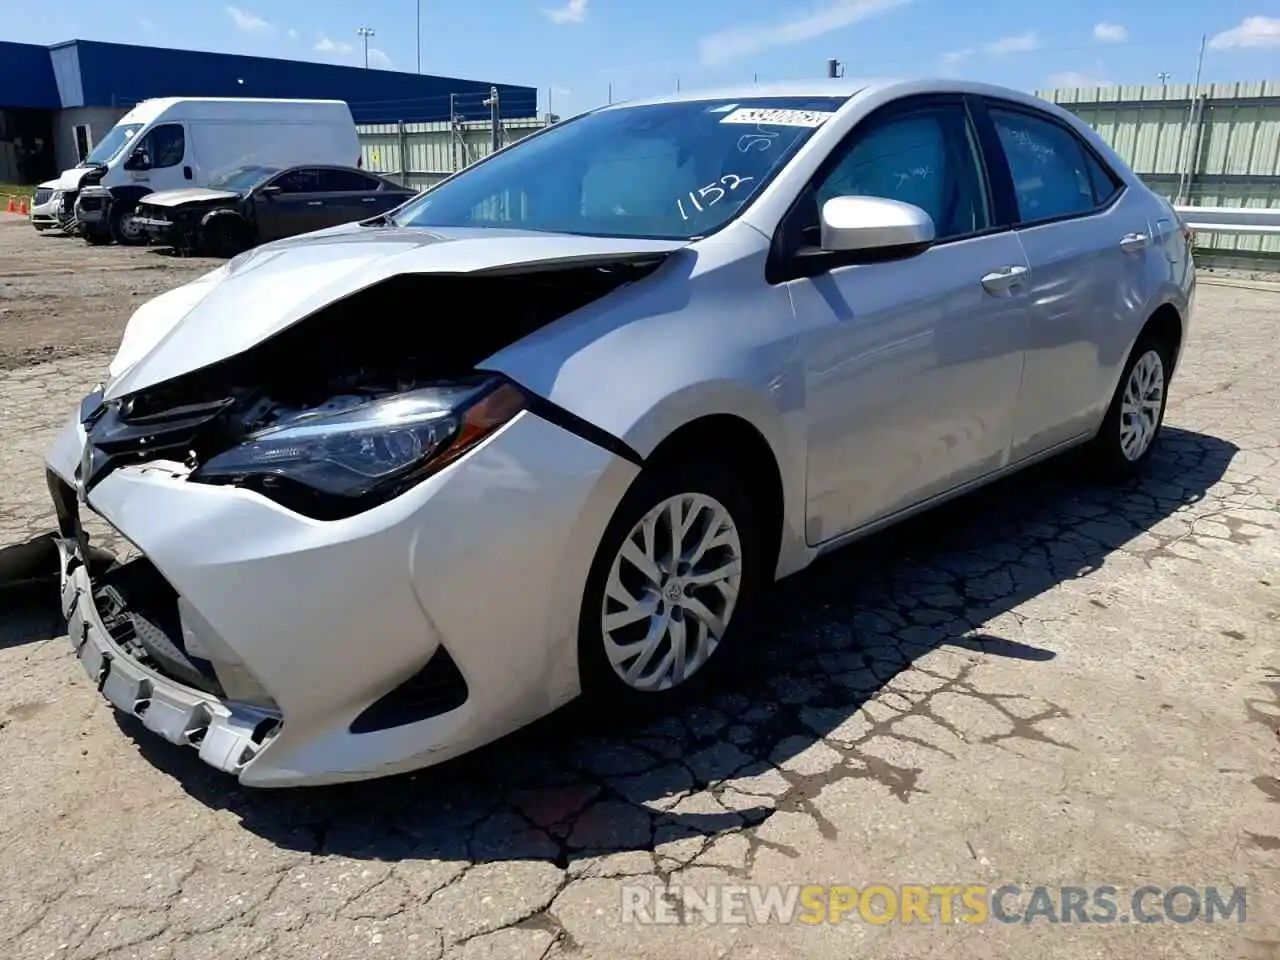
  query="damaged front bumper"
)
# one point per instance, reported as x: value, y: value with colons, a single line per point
x: 227, y: 736
x: 347, y: 649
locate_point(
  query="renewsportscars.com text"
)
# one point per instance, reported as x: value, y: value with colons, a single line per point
x: 935, y: 903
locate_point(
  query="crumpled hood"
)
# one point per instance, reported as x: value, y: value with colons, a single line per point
x: 175, y: 198
x: 269, y: 289
x: 67, y: 180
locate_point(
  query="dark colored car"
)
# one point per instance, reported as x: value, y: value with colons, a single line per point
x: 254, y: 204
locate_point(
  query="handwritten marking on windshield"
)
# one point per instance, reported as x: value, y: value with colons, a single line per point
x: 699, y: 198
x: 779, y: 118
x: 760, y: 141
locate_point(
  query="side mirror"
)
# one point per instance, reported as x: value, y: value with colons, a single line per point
x: 138, y: 160
x: 271, y: 190
x: 880, y: 228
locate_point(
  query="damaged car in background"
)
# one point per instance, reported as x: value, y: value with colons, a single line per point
x: 254, y: 204
x: 402, y: 486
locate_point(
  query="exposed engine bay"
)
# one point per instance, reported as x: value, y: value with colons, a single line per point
x: 395, y: 336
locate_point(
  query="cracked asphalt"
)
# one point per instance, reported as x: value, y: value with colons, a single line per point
x: 1047, y: 683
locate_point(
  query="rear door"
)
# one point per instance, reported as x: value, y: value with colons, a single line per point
x: 1087, y: 240
x: 299, y: 207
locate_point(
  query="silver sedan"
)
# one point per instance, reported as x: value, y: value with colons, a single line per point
x: 552, y: 427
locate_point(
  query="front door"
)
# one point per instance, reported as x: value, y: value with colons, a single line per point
x: 299, y: 206
x: 166, y: 165
x: 913, y: 366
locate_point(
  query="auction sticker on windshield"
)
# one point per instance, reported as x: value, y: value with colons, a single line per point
x: 779, y: 118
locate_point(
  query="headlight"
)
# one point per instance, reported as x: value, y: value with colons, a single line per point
x: 335, y: 465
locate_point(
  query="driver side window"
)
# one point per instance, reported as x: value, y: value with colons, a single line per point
x: 301, y: 180
x: 927, y: 158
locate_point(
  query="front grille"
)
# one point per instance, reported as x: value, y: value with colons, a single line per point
x: 43, y: 194
x: 435, y: 689
x: 91, y: 203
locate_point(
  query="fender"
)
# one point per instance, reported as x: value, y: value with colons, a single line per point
x: 224, y: 212
x: 128, y: 193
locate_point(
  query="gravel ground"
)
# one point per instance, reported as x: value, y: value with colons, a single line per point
x: 1047, y: 683
x: 60, y: 297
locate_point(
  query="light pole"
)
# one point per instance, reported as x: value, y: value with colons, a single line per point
x: 365, y: 33
x: 1164, y: 76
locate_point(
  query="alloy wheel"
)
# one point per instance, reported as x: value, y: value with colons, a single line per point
x: 1141, y: 405
x: 671, y: 592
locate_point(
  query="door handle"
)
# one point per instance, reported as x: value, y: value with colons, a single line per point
x: 1132, y: 242
x: 369, y: 200
x: 315, y: 203
x: 1004, y: 280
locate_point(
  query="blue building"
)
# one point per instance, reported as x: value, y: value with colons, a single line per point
x: 56, y: 102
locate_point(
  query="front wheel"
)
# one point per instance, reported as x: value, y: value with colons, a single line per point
x: 124, y: 227
x: 224, y: 236
x: 671, y: 589
x: 1133, y: 422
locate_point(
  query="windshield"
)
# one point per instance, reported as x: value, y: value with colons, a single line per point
x: 670, y: 170
x: 242, y: 178
x: 113, y: 144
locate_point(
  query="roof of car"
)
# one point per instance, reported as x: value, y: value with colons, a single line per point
x: 843, y: 88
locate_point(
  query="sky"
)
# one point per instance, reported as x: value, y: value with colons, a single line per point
x: 579, y: 53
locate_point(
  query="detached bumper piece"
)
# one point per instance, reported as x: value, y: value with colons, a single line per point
x: 123, y: 631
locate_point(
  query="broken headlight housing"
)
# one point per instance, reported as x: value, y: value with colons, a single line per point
x: 334, y: 465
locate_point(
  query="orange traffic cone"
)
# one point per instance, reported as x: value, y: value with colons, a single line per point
x: 13, y: 207
x: 23, y: 208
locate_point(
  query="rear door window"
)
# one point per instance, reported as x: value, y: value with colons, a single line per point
x: 346, y: 181
x: 1050, y: 167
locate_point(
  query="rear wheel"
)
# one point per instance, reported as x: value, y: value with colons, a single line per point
x: 671, y: 589
x: 1133, y: 422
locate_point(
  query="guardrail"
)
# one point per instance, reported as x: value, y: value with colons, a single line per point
x: 1256, y: 220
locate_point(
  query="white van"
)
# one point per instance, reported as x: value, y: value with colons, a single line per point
x: 174, y: 142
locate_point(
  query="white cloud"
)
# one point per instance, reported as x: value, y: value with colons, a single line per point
x: 1072, y: 78
x: 574, y: 11
x: 1110, y: 33
x: 247, y: 22
x: 1018, y: 44
x: 828, y: 16
x: 379, y: 60
x: 1252, y: 32
x: 338, y: 48
x: 996, y: 48
x: 293, y: 34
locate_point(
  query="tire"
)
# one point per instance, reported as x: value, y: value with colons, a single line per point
x: 224, y: 236
x: 707, y: 489
x: 121, y: 231
x: 1126, y: 440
